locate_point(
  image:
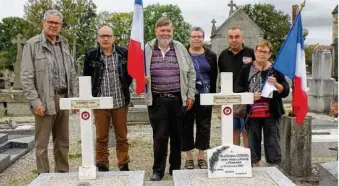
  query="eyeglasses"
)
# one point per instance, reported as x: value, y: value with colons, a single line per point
x: 198, y: 37
x: 53, y: 23
x: 105, y: 36
x: 263, y: 52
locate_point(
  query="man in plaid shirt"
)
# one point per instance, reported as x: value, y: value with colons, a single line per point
x: 107, y: 65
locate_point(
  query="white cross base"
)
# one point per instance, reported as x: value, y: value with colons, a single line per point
x: 226, y: 98
x: 86, y: 103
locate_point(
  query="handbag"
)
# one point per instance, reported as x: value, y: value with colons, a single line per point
x: 239, y: 111
x: 260, y: 109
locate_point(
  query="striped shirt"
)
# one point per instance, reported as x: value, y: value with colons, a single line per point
x: 59, y: 72
x: 111, y: 85
x: 165, y: 71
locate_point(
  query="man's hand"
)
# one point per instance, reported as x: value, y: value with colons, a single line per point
x: 146, y: 80
x: 189, y: 104
x: 39, y: 110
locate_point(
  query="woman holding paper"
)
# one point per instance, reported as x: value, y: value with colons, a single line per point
x: 267, y: 108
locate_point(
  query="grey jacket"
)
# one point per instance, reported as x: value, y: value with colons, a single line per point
x: 187, y: 72
x: 36, y: 73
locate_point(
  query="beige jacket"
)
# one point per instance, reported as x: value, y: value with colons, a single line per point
x: 36, y: 73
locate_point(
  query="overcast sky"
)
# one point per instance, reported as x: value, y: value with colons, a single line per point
x: 317, y: 17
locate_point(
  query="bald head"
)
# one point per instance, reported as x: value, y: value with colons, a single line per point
x: 105, y: 29
x: 105, y: 37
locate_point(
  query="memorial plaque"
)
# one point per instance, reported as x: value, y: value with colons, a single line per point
x: 90, y: 104
x: 227, y: 100
x: 229, y: 161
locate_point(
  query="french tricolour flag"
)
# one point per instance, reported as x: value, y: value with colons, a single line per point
x: 135, y: 64
x: 291, y: 62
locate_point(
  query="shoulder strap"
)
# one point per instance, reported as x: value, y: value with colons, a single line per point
x: 249, y: 79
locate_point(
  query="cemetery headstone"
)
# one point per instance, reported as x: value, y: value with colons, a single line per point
x: 86, y: 103
x: 229, y: 164
x: 328, y: 173
x: 19, y: 41
x: 322, y: 87
x: 228, y: 160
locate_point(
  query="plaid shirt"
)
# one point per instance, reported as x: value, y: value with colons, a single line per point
x: 59, y: 72
x: 111, y: 85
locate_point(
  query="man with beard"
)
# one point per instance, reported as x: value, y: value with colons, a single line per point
x: 171, y: 91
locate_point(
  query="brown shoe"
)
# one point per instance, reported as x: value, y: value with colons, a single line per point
x: 124, y: 167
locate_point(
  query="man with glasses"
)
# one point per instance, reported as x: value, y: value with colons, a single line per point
x: 232, y: 60
x: 48, y: 74
x: 107, y: 65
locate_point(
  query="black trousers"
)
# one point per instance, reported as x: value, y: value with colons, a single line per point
x: 271, y: 139
x: 165, y: 116
x: 202, y: 116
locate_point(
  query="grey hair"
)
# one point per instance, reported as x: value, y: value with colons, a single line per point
x: 237, y: 28
x: 199, y: 29
x: 53, y: 12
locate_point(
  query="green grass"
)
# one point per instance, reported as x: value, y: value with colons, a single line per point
x: 74, y: 156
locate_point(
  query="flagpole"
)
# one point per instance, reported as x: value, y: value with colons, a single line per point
x: 270, y: 71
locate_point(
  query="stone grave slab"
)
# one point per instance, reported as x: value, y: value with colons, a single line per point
x: 12, y: 147
x: 322, y: 140
x: 328, y: 172
x: 268, y: 176
x: 5, y: 161
x: 123, y: 178
x: 137, y: 114
x: 324, y: 124
x: 159, y: 183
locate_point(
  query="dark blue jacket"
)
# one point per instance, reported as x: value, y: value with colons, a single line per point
x: 94, y: 67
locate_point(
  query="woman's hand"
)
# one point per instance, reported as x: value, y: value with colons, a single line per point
x: 256, y: 95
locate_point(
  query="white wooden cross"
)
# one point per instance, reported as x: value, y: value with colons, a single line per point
x: 226, y: 98
x: 86, y: 103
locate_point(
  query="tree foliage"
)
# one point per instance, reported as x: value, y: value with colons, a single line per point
x: 308, y: 55
x: 274, y: 23
x: 153, y: 12
x: 79, y: 21
x: 122, y: 27
x: 9, y: 28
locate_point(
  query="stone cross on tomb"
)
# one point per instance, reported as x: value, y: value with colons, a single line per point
x: 19, y: 41
x: 231, y: 5
x: 85, y: 102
